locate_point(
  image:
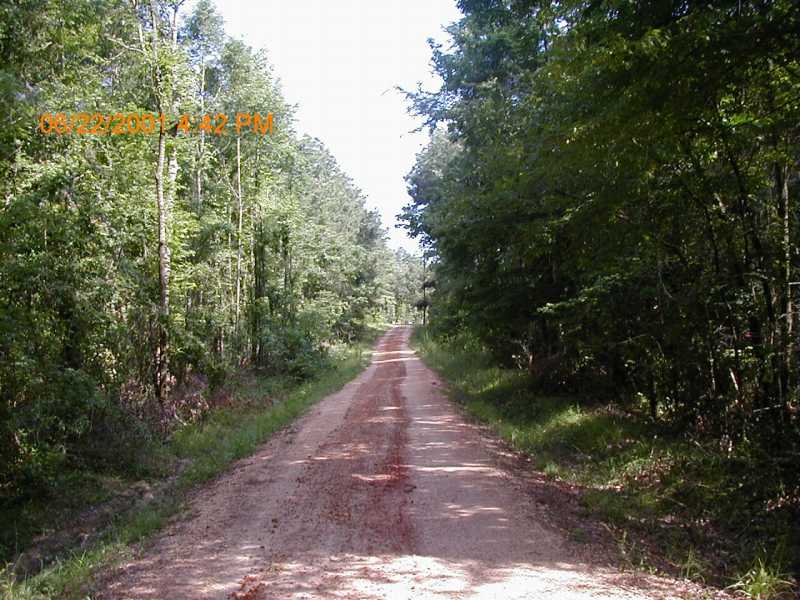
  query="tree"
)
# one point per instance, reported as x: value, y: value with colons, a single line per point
x: 132, y: 265
x: 607, y: 192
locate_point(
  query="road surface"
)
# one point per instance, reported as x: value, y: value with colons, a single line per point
x: 381, y: 490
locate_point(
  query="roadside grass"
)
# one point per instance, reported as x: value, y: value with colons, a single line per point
x: 674, y: 504
x: 260, y: 407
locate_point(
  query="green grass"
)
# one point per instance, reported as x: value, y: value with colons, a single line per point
x: 262, y: 406
x: 763, y: 581
x: 65, y: 578
x: 672, y: 501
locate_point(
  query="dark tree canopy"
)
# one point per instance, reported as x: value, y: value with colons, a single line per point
x: 611, y: 190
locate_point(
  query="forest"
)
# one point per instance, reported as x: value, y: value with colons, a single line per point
x: 139, y: 273
x: 609, y: 199
x: 608, y: 217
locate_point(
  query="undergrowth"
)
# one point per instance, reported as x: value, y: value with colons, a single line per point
x: 201, y: 451
x: 703, y: 514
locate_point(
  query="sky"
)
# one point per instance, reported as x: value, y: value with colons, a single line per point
x: 339, y: 61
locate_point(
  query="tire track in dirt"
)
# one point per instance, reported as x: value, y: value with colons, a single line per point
x: 357, y: 500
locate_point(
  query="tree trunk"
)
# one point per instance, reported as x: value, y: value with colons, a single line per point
x: 238, y: 228
x: 786, y: 309
x: 162, y: 345
x: 163, y: 247
x: 201, y: 144
x: 257, y: 257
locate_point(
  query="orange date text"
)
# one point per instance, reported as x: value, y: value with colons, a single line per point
x: 83, y: 123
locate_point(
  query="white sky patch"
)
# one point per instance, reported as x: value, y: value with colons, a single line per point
x: 339, y: 61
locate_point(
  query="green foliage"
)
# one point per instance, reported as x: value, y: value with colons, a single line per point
x: 292, y: 350
x: 763, y: 582
x: 110, y: 340
x: 63, y: 580
x: 609, y: 201
x: 609, y: 193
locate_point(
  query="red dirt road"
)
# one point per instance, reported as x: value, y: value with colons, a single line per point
x: 382, y: 490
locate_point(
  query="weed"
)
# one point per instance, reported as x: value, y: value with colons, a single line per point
x: 764, y: 582
x: 551, y: 470
x: 693, y: 567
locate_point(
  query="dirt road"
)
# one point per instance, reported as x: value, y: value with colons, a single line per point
x: 382, y: 490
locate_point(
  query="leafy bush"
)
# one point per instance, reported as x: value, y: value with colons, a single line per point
x: 293, y: 349
x: 51, y: 415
